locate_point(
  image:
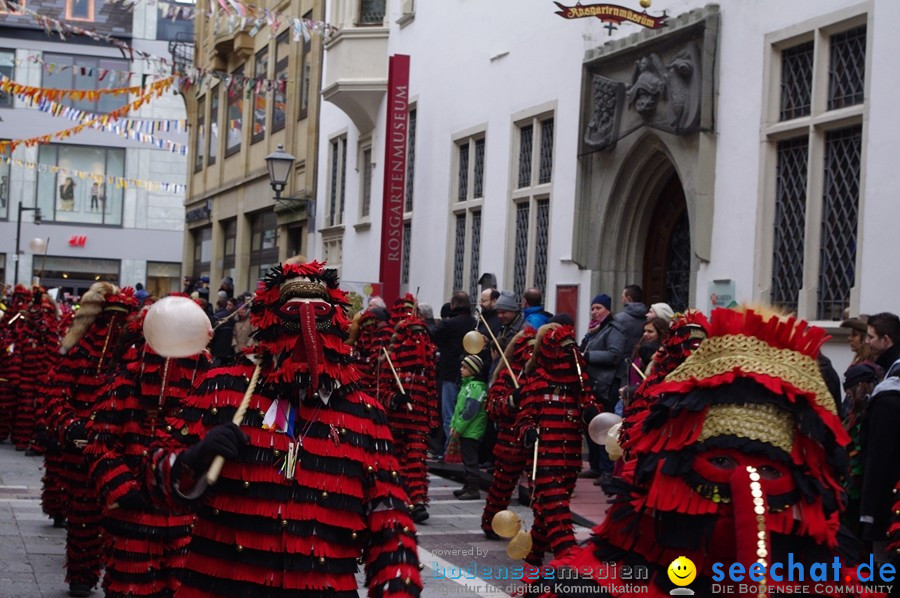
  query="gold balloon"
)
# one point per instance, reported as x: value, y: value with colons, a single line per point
x: 612, y: 442
x: 506, y: 524
x: 473, y: 342
x: 520, y: 545
x: 646, y: 3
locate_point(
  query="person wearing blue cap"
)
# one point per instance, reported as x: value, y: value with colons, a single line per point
x: 602, y: 348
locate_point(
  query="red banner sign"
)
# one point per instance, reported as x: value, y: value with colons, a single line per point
x: 393, y: 195
x: 611, y: 13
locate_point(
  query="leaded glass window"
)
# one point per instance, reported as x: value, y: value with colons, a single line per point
x: 790, y: 222
x: 459, y: 251
x: 847, y: 68
x: 525, y: 141
x: 542, y: 234
x: 796, y: 81
x: 520, y: 257
x: 478, y: 175
x: 410, y: 160
x: 840, y: 208
x: 546, y: 168
x: 463, y: 175
x: 404, y: 256
x: 475, y: 260
x: 366, y: 181
x: 337, y: 180
x: 371, y: 12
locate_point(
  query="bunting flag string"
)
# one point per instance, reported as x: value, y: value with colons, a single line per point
x: 37, y: 94
x: 118, y: 182
x: 127, y: 128
x: 253, y: 18
x: 155, y: 89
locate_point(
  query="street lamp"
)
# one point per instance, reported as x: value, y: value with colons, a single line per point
x: 279, y: 164
x: 37, y: 220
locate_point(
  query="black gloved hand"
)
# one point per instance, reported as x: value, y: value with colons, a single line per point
x: 531, y: 436
x: 133, y: 500
x: 225, y: 440
x: 77, y: 431
x: 515, y: 397
x: 589, y: 413
x: 399, y: 401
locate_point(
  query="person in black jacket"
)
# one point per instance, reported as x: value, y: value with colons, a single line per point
x: 448, y: 335
x: 881, y: 458
x: 883, y: 338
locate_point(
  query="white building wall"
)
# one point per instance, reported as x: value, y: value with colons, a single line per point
x: 478, y: 64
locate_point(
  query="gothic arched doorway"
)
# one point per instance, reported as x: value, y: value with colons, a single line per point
x: 667, y: 249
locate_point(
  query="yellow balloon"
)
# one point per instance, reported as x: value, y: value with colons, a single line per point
x: 506, y: 524
x: 646, y: 3
x: 473, y: 342
x: 519, y: 546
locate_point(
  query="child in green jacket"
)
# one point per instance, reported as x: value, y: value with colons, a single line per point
x: 469, y: 423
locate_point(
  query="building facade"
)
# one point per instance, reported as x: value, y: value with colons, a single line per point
x: 729, y: 156
x: 234, y: 227
x: 97, y: 229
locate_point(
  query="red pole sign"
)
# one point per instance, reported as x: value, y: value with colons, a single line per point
x: 394, y: 176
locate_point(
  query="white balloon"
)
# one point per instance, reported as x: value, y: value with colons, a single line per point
x: 37, y: 245
x: 177, y: 327
x: 600, y: 425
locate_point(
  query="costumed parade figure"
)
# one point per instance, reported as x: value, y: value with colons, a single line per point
x: 145, y: 546
x: 88, y: 358
x: 373, y: 334
x: 737, y: 458
x: 501, y: 408
x: 556, y: 406
x: 412, y: 412
x: 38, y: 350
x: 316, y: 486
x: 12, y: 326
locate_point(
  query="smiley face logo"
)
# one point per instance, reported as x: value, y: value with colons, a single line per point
x: 682, y: 571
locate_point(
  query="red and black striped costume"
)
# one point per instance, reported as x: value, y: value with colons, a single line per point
x: 266, y: 530
x: 12, y: 327
x: 89, y: 358
x: 373, y: 335
x: 38, y: 349
x: 509, y: 456
x: 413, y: 355
x: 145, y: 545
x: 556, y: 402
x: 893, y: 533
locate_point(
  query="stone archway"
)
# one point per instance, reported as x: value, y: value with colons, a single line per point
x: 667, y: 249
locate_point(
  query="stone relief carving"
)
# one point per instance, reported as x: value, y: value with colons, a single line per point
x: 664, y: 92
x: 648, y: 85
x: 603, y: 128
x: 684, y: 91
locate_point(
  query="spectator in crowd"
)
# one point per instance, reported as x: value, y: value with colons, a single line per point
x: 661, y: 310
x: 221, y: 345
x: 880, y: 449
x: 228, y: 287
x: 445, y: 311
x: 655, y: 332
x: 242, y: 327
x: 427, y: 314
x: 633, y: 315
x: 533, y: 309
x: 859, y: 382
x: 883, y: 339
x: 141, y: 295
x: 376, y: 301
x: 189, y: 285
x: 469, y: 422
x: 603, y: 348
x: 489, y: 317
x: 509, y: 316
x: 448, y: 335
x: 857, y: 339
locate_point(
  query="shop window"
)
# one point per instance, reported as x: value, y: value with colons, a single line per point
x: 163, y: 278
x: 202, y: 238
x: 75, y: 275
x: 229, y: 230
x: 213, y: 126
x: 83, y: 188
x: 263, y: 244
x: 279, y: 97
x: 7, y: 69
x: 260, y: 98
x: 88, y: 73
x: 235, y: 114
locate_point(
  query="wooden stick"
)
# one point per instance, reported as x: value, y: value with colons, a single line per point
x: 212, y: 476
x: 393, y: 371
x: 44, y: 259
x: 512, y: 374
x: 638, y: 370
